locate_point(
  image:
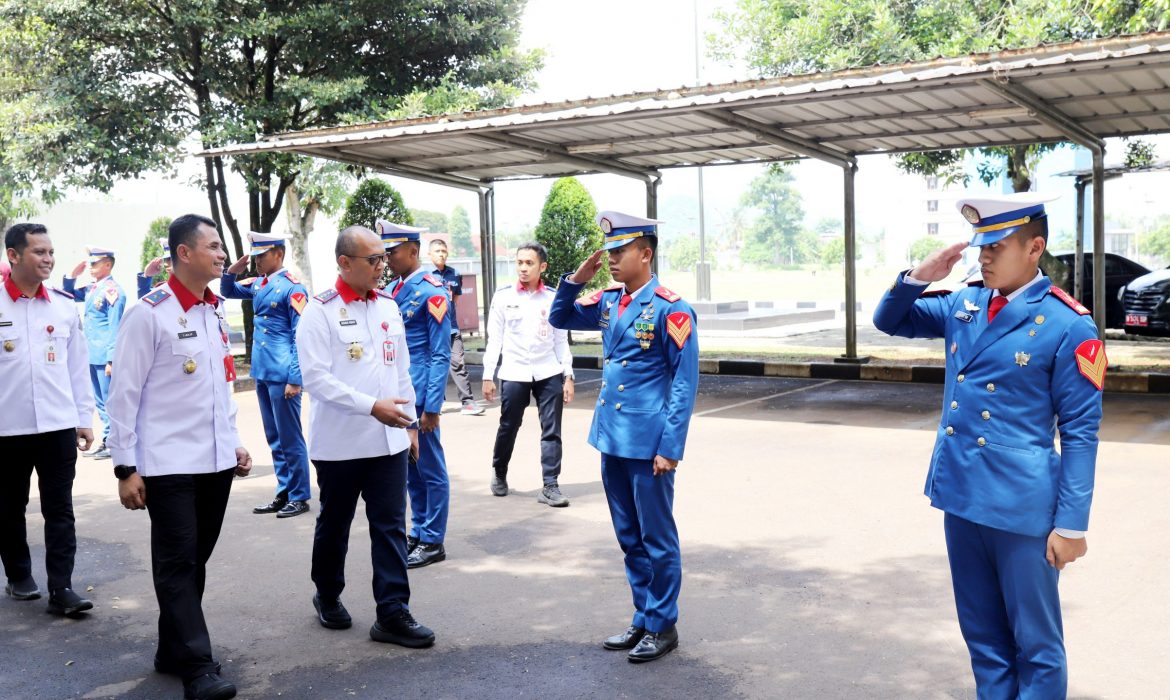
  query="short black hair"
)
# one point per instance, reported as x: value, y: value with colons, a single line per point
x: 540, y: 250
x: 435, y: 243
x: 182, y: 232
x: 16, y: 237
x: 1036, y: 228
x: 650, y: 242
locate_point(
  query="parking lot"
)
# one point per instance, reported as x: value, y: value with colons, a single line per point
x: 814, y: 568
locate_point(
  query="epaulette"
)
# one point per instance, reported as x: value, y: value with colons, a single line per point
x: 326, y: 296
x: 935, y: 293
x: 383, y: 293
x: 156, y: 297
x: 592, y: 298
x: 613, y: 287
x: 431, y: 278
x: 1068, y: 299
x: 245, y: 283
x: 667, y: 294
x: 63, y: 293
x: 976, y: 283
x: 290, y: 277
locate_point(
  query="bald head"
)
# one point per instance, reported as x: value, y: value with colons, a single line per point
x: 351, y: 238
x: 360, y: 258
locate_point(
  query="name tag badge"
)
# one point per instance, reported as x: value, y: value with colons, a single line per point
x: 5, y: 324
x: 388, y: 352
x: 187, y: 334
x: 51, y: 355
x: 964, y: 316
x: 349, y: 322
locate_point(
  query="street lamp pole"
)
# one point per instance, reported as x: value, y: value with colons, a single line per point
x: 703, y: 271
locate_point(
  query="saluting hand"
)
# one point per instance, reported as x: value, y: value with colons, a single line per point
x: 938, y: 265
x: 77, y: 270
x: 1064, y: 550
x: 132, y: 492
x: 664, y: 464
x: 243, y: 462
x: 239, y: 265
x: 84, y: 439
x: 153, y: 268
x: 588, y: 268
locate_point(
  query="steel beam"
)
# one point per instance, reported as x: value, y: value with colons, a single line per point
x: 398, y: 170
x: 783, y: 139
x: 1099, y: 301
x: 559, y: 153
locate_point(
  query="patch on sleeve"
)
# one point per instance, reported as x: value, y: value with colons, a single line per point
x: 678, y: 327
x: 1072, y: 303
x: 156, y: 297
x: 1092, y: 362
x: 327, y: 295
x: 437, y: 306
x: 297, y: 300
x: 247, y: 282
x: 290, y: 277
x: 111, y: 294
x: 667, y: 294
x: 592, y: 298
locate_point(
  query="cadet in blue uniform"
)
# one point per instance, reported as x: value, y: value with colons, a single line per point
x: 648, y: 388
x: 425, y: 305
x: 1023, y: 360
x: 278, y: 300
x: 105, y: 302
x: 153, y: 268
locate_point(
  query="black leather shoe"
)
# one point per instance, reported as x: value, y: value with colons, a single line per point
x: 293, y: 509
x: 332, y: 614
x: 499, y: 486
x: 66, y: 602
x: 170, y: 668
x: 272, y: 507
x: 209, y: 686
x: 402, y: 629
x: 23, y: 590
x: 626, y: 640
x: 654, y: 645
x: 425, y: 554
x: 411, y: 543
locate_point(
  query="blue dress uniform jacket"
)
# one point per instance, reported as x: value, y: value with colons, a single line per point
x: 105, y: 302
x: 426, y: 309
x: 642, y: 411
x: 278, y: 306
x: 1010, y: 385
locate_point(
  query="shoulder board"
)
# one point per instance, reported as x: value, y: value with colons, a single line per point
x: 935, y: 293
x: 156, y: 297
x: 62, y: 292
x: 433, y: 280
x: 381, y: 293
x: 1067, y: 299
x: 290, y: 277
x: 245, y: 283
x: 591, y: 299
x: 667, y: 294
x: 327, y: 295
x: 612, y: 287
x: 976, y: 283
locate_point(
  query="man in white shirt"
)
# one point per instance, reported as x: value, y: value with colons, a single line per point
x: 174, y: 442
x: 46, y: 388
x: 536, y: 363
x: 356, y: 365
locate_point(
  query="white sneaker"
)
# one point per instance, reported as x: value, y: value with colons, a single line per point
x: 472, y: 409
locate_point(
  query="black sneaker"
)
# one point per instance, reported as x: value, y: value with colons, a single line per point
x: 426, y: 554
x: 332, y: 614
x: 293, y: 509
x: 499, y: 486
x: 23, y: 590
x: 552, y: 495
x: 273, y: 506
x: 65, y: 602
x: 402, y: 629
x: 209, y: 686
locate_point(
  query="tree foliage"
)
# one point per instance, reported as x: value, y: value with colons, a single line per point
x: 372, y: 200
x: 152, y: 249
x: 833, y: 252
x: 775, y: 237
x: 923, y: 247
x: 569, y: 231
x: 434, y: 221
x: 1156, y: 243
x: 682, y: 253
x: 460, y: 226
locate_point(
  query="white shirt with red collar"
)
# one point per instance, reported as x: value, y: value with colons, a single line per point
x: 44, y: 364
x: 353, y: 352
x: 170, y: 406
x: 519, y: 333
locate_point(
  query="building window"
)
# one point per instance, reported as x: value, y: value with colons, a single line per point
x: 932, y: 205
x: 932, y: 229
x: 932, y: 182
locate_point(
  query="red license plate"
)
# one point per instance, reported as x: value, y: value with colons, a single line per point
x: 1137, y: 320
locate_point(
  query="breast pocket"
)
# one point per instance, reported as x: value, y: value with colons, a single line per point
x: 11, y: 344
x: 189, y: 357
x: 352, y: 345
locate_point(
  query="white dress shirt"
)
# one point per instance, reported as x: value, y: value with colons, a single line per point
x: 519, y: 331
x: 170, y: 406
x: 44, y: 363
x: 353, y: 352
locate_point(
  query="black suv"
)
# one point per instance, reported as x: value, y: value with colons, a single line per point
x: 1147, y: 304
x: 1119, y: 272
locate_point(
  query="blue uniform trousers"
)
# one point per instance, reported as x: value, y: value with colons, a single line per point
x: 101, y: 389
x: 429, y: 489
x: 282, y: 429
x: 1009, y: 611
x: 381, y: 482
x: 640, y: 505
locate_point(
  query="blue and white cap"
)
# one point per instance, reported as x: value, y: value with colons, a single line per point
x: 166, y: 245
x: 264, y: 242
x: 620, y: 229
x: 97, y: 253
x: 996, y: 217
x: 394, y: 235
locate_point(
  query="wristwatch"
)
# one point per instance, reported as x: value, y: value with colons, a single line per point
x: 123, y: 472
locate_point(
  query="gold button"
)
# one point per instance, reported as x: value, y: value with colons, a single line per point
x: 618, y: 406
x: 986, y: 415
x: 961, y: 378
x: 954, y: 405
x: 1040, y: 318
x: 991, y: 387
x: 950, y: 430
x: 981, y: 442
x: 621, y: 387
x: 624, y: 363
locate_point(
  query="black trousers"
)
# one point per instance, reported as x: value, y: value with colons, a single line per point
x: 381, y: 482
x: 550, y: 401
x: 54, y: 456
x: 186, y: 514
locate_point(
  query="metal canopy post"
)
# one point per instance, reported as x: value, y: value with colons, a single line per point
x: 1079, y: 256
x: 652, y: 211
x: 1099, y: 303
x: 851, y: 271
x: 487, y: 249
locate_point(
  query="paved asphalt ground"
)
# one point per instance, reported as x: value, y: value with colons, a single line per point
x: 814, y: 568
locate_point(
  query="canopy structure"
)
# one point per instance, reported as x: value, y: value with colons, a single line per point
x: 1080, y: 92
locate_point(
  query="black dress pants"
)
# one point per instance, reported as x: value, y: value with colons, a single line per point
x: 381, y: 482
x: 54, y: 456
x: 186, y: 513
x: 550, y: 401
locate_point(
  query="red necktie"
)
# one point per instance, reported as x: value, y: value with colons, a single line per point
x: 996, y: 304
x: 397, y: 287
x: 623, y: 303
x: 264, y: 282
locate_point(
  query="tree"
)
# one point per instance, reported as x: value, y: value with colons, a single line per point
x: 372, y: 200
x: 683, y: 253
x: 460, y: 226
x: 434, y: 221
x: 774, y: 237
x: 152, y: 249
x: 569, y: 231
x: 320, y: 187
x: 923, y: 247
x: 833, y: 252
x: 1156, y: 243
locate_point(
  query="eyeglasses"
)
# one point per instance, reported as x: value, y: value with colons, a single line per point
x: 373, y: 260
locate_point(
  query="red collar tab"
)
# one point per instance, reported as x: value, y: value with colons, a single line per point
x: 521, y: 288
x: 348, y: 294
x: 187, y: 299
x: 15, y: 293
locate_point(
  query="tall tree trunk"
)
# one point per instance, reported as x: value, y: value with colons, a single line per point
x: 301, y: 221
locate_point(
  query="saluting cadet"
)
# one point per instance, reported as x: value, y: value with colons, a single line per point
x: 424, y: 304
x: 105, y: 302
x: 353, y: 346
x: 648, y: 386
x: 153, y: 268
x: 536, y: 363
x: 175, y: 444
x: 278, y: 300
x: 1022, y: 360
x: 48, y: 416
